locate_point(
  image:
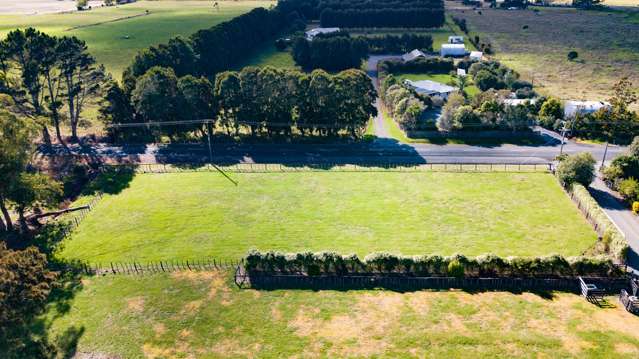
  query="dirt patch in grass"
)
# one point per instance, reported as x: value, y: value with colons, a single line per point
x: 135, y: 304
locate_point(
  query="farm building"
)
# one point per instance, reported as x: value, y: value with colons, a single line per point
x: 310, y: 34
x: 410, y: 56
x: 572, y: 108
x: 461, y: 72
x: 430, y: 88
x: 453, y: 50
x: 455, y: 39
x: 476, y: 55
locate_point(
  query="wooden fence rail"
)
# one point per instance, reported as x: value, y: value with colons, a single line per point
x: 168, y: 266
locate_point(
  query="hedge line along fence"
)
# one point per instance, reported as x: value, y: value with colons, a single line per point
x: 163, y: 266
x: 614, y: 242
x: 492, y: 266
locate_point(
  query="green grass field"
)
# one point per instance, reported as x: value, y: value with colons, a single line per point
x: 195, y: 215
x: 105, y: 29
x: 203, y: 315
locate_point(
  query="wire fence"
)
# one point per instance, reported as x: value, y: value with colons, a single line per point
x: 162, y: 266
x: 337, y: 167
x: 73, y: 219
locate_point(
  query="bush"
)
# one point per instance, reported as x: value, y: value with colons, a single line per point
x: 629, y: 189
x: 635, y: 207
x: 572, y: 55
x: 579, y: 168
x: 455, y: 269
x: 281, y: 44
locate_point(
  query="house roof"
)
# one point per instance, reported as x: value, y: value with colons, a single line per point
x: 454, y: 46
x: 429, y: 87
x: 476, y: 55
x: 572, y: 107
x: 410, y: 56
x: 455, y: 39
x: 461, y: 72
x: 519, y: 101
x: 310, y: 34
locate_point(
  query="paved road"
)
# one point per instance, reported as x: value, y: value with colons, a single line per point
x: 626, y: 221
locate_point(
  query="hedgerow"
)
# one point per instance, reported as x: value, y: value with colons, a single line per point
x: 331, y: 263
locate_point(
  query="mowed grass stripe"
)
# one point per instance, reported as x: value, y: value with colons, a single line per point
x: 196, y: 215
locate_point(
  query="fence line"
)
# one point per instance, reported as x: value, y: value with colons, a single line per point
x: 337, y: 167
x: 406, y: 283
x: 162, y: 266
x: 75, y: 218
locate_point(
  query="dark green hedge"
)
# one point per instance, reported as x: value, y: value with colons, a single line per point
x: 331, y: 263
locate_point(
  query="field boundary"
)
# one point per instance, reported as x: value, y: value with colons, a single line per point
x: 107, y: 22
x: 151, y: 267
x: 541, y: 167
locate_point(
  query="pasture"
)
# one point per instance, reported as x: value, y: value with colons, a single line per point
x: 539, y: 52
x: 203, y: 315
x: 116, y: 34
x: 199, y: 215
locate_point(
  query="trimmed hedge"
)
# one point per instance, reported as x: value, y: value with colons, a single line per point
x: 420, y: 65
x: 615, y: 243
x: 331, y: 263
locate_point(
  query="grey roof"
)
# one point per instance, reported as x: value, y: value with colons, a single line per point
x: 571, y: 108
x: 429, y: 87
x: 310, y: 34
x: 410, y: 56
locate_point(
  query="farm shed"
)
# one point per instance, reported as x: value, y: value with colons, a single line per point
x: 455, y: 39
x: 572, y: 108
x: 410, y: 56
x: 453, y: 50
x: 476, y: 55
x: 431, y: 88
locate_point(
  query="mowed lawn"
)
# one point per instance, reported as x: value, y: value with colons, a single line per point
x: 203, y: 315
x: 114, y: 39
x: 198, y: 215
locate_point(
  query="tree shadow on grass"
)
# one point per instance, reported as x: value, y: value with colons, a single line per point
x: 111, y: 180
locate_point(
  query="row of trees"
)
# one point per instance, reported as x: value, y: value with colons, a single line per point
x: 391, y: 17
x: 48, y: 79
x: 263, y: 100
x: 394, y: 44
x: 332, y: 53
x: 493, y: 75
x: 312, y: 9
x: 434, y: 65
x: 213, y: 50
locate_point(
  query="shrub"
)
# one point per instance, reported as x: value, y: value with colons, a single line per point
x: 629, y: 189
x: 281, y: 44
x: 572, y: 55
x: 635, y: 207
x: 455, y: 269
x: 579, y: 168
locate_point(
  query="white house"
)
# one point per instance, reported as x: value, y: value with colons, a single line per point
x: 430, y: 88
x: 310, y: 34
x: 476, y: 55
x: 455, y: 39
x: 461, y: 72
x: 410, y: 56
x: 519, y: 101
x: 572, y: 108
x: 453, y: 50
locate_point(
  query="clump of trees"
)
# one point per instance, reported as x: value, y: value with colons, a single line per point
x: 404, y: 106
x: 493, y: 75
x: 579, y: 168
x: 390, y: 17
x: 265, y: 101
x: 330, y: 52
x: 394, y: 44
x: 435, y: 65
x: 623, y: 172
x: 49, y: 79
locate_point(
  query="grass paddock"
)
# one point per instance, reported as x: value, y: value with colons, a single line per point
x: 203, y: 315
x: 197, y: 215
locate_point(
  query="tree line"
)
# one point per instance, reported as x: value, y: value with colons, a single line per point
x: 391, y: 17
x: 339, y: 51
x: 216, y: 49
x: 264, y: 101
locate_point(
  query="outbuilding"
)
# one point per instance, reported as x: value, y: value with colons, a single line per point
x: 410, y: 56
x: 431, y: 88
x: 476, y: 55
x: 310, y: 34
x: 453, y: 50
x: 572, y: 108
x: 455, y: 39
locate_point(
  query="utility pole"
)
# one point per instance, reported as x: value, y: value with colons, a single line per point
x: 563, y: 137
x: 208, y: 136
x: 604, y: 157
